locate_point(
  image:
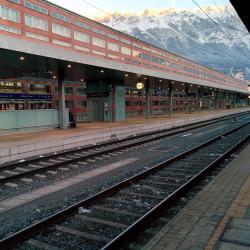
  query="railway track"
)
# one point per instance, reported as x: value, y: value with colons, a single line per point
x: 109, y: 219
x: 58, y: 161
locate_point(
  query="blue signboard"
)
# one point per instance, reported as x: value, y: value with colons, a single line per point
x: 159, y: 93
x: 25, y: 96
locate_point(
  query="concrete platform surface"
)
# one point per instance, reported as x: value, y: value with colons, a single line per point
x: 217, y: 218
x: 20, y: 145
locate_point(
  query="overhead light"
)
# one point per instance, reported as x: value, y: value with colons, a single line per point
x: 139, y: 85
x: 160, y: 80
x: 126, y: 75
x: 82, y: 79
x: 69, y: 66
x: 191, y: 85
x: 54, y: 77
x: 145, y: 78
x: 22, y: 58
x: 102, y: 71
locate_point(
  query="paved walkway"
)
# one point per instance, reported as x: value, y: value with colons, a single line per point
x: 218, y: 217
x: 14, y: 138
x: 19, y: 146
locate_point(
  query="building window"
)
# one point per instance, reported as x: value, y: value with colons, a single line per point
x: 10, y: 29
x: 81, y: 25
x: 61, y: 30
x: 136, y: 53
x: 61, y: 17
x: 113, y: 46
x: 68, y: 91
x: 82, y: 48
x: 36, y: 22
x: 136, y: 45
x: 68, y: 104
x: 98, y: 31
x: 39, y: 88
x: 113, y: 37
x: 98, y: 42
x: 37, y: 36
x: 79, y: 36
x: 81, y: 117
x: 125, y: 50
x: 36, y: 7
x: 15, y: 1
x: 125, y: 41
x: 9, y: 14
x: 81, y: 104
x: 97, y: 52
x: 81, y: 91
x: 61, y: 43
x: 113, y: 56
x: 11, y: 87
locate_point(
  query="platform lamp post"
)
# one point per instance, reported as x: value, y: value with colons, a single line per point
x: 61, y: 92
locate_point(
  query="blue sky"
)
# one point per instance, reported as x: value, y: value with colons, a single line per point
x: 81, y: 7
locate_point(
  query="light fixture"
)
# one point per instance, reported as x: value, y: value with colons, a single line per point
x: 82, y: 79
x: 54, y: 77
x: 102, y: 71
x: 139, y: 85
x: 126, y: 75
x: 69, y: 66
x: 145, y: 78
x: 22, y: 58
x: 160, y: 80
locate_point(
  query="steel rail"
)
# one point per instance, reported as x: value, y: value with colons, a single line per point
x: 95, y: 154
x: 172, y: 131
x: 20, y: 236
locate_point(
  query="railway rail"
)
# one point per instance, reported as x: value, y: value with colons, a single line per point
x: 109, y: 219
x: 41, y: 164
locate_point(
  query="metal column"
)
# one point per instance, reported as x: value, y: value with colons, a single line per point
x: 170, y: 89
x: 147, y: 87
x: 61, y: 92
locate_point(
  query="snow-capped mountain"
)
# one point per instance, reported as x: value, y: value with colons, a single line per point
x: 221, y: 41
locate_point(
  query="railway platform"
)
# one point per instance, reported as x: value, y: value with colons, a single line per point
x: 21, y: 145
x: 217, y: 218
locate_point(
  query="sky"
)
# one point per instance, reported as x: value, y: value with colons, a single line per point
x: 92, y: 8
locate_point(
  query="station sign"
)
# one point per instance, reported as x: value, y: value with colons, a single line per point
x: 159, y: 93
x: 98, y: 94
x: 21, y: 96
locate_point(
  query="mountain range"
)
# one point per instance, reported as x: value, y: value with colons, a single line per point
x: 217, y: 38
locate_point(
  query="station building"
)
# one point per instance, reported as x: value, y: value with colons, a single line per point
x: 56, y: 62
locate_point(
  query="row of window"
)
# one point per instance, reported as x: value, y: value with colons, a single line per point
x: 43, y: 24
x: 39, y: 23
x: 18, y: 87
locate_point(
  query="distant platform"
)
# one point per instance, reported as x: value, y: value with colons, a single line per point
x: 20, y: 145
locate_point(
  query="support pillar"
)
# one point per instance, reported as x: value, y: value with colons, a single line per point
x: 170, y: 90
x: 186, y: 96
x: 61, y: 93
x: 113, y: 103
x: 216, y: 96
x: 199, y: 99
x: 148, y: 108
